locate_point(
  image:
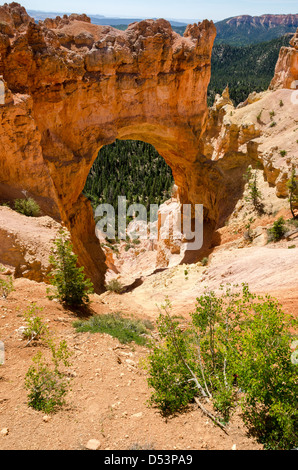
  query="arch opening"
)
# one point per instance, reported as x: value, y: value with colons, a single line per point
x: 134, y: 171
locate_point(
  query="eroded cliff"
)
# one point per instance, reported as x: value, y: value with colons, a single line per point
x: 72, y: 87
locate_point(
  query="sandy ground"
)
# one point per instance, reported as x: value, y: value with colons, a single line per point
x: 108, y: 401
x: 109, y: 396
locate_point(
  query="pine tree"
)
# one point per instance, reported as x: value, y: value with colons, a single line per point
x: 72, y: 287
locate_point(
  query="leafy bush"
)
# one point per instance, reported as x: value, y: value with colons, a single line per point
x: 114, y: 286
x: 72, y: 287
x: 277, y: 231
x: 204, y: 261
x: 35, y: 328
x: 292, y: 185
x: 46, y: 382
x: 27, y: 207
x: 194, y: 362
x: 124, y: 329
x: 268, y: 377
x: 236, y: 345
x: 6, y: 285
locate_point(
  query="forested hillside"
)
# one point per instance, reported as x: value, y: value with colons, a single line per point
x: 244, y: 69
x: 245, y: 30
x: 129, y: 168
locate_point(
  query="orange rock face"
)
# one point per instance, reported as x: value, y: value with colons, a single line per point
x: 72, y: 87
x: 286, y: 70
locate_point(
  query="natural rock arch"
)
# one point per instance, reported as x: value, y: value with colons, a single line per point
x: 72, y: 87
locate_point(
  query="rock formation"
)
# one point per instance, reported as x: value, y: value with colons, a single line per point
x: 26, y: 243
x: 286, y: 70
x: 72, y: 87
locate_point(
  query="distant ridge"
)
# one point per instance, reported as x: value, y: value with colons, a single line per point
x: 240, y: 30
x: 97, y: 19
x: 246, y: 29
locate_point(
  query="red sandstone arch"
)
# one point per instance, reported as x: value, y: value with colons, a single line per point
x: 72, y: 87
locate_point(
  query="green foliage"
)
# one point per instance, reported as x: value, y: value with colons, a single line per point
x: 129, y: 168
x: 114, y: 286
x: 292, y: 185
x: 272, y: 114
x: 277, y: 231
x: 168, y: 374
x: 196, y: 361
x: 283, y: 153
x: 236, y: 347
x: 72, y: 287
x: 46, y: 381
x: 268, y: 377
x: 247, y: 33
x: 35, y: 327
x: 230, y: 65
x: 205, y: 261
x: 27, y: 207
x: 259, y: 116
x: 254, y: 195
x: 125, y: 330
x: 6, y: 284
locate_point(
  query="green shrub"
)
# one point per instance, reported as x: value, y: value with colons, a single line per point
x: 46, y: 382
x: 259, y: 116
x: 254, y: 195
x: 205, y: 261
x: 277, y: 231
x: 272, y: 114
x: 283, y: 153
x: 35, y: 328
x: 193, y: 362
x: 6, y: 285
x: 114, y: 286
x: 268, y: 377
x: 27, y: 207
x: 72, y: 287
x: 236, y: 349
x: 124, y: 329
x: 292, y: 185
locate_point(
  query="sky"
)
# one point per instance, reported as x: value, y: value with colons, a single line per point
x: 178, y: 9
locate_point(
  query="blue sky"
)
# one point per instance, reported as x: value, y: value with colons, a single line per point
x: 180, y: 9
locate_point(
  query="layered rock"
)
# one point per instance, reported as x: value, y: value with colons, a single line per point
x: 286, y: 70
x: 261, y: 132
x: 25, y: 244
x: 73, y: 87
